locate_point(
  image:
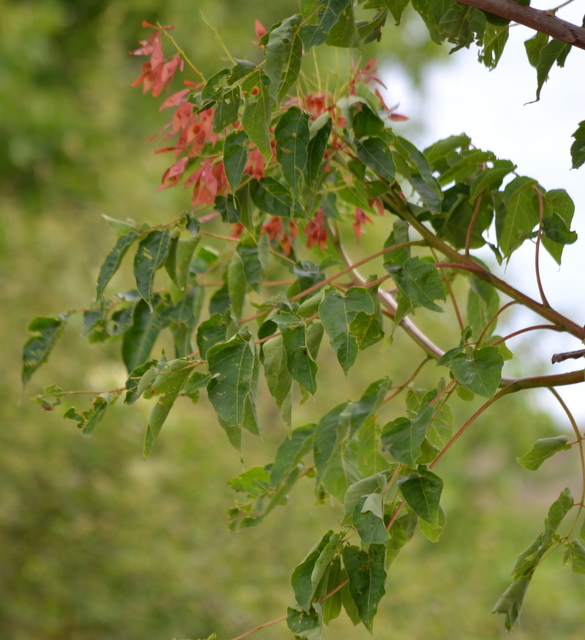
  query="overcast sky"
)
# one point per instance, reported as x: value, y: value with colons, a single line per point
x: 491, y: 107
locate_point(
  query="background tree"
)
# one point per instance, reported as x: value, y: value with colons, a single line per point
x: 78, y: 623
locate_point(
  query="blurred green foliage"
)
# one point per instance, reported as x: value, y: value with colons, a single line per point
x: 97, y: 543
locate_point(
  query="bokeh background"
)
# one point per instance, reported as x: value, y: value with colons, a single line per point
x: 95, y: 542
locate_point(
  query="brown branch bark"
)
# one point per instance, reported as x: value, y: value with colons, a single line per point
x: 542, y: 21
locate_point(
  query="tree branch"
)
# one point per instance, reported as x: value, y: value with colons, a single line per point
x: 543, y: 21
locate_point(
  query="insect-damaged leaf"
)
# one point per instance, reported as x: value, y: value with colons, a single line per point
x: 257, y: 115
x: 367, y: 575
x: 151, y: 255
x: 292, y: 140
x: 283, y: 57
x: 113, y: 261
x: 47, y: 331
x: 326, y: 13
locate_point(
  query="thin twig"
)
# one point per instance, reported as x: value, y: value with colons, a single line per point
x: 538, y: 243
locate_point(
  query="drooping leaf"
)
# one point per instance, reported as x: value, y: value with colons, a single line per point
x: 46, y: 331
x: 235, y: 156
x: 559, y: 211
x: 140, y: 338
x: 151, y: 255
x: 403, y: 437
x: 167, y: 385
x: 211, y: 332
x: 576, y: 556
x: 367, y: 575
x: 113, y: 261
x: 258, y: 114
x: 283, y: 51
x: 271, y: 197
x: 236, y: 283
x: 300, y: 363
x: 422, y: 491
x: 278, y: 376
x: 292, y: 140
x: 368, y: 519
x: 305, y: 625
x: 419, y: 281
x: 494, y: 42
x: 301, y: 579
x: 290, y: 452
x: 396, y: 7
x: 578, y: 147
x: 337, y: 313
x: 327, y: 438
x: 433, y: 531
x: 231, y: 365
x: 479, y: 372
x: 316, y: 148
x: 374, y: 153
x: 482, y: 304
x: 324, y: 14
x: 344, y: 32
x: 226, y: 110
x: 371, y: 399
x: 510, y: 602
x: 542, y: 450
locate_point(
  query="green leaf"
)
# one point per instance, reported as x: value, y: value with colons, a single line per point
x: 368, y: 519
x: 494, y: 42
x: 542, y: 450
x: 300, y: 363
x: 375, y: 483
x: 337, y: 313
x: 419, y: 281
x: 344, y: 32
x: 226, y: 110
x: 324, y: 13
x: 457, y: 25
x: 491, y: 178
x: 576, y: 556
x: 302, y: 578
x: 316, y: 149
x: 258, y: 114
x: 483, y: 303
x: 292, y: 140
x: 236, y: 283
x: 305, y: 625
x: 367, y: 575
x: 375, y: 154
x: 283, y: 52
x: 271, y: 197
x: 510, y: 602
x: 403, y: 438
x: 47, y: 330
x: 578, y: 147
x: 229, y: 208
x: 422, y: 491
x: 291, y: 450
x: 278, y: 378
x: 88, y: 420
x: 431, y: 11
x: 327, y: 438
x: 542, y: 55
x: 235, y: 156
x: 151, y: 255
x: 211, y: 332
x: 433, y: 531
x: 396, y: 7
x: 371, y: 399
x: 231, y: 365
x: 169, y: 382
x: 479, y: 372
x: 140, y: 338
x: 113, y: 261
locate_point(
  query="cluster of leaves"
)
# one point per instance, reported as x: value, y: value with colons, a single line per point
x: 276, y: 162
